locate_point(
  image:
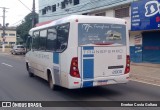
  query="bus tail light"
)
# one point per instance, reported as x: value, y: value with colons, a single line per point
x: 74, y: 72
x: 127, y: 69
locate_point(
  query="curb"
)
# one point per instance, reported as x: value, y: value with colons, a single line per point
x: 148, y: 65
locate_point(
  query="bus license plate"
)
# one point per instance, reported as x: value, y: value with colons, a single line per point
x: 103, y: 82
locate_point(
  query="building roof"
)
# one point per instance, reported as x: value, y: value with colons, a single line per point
x: 43, y: 23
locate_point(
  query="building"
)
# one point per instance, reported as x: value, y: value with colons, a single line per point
x: 54, y: 9
x: 10, y: 36
x: 142, y: 50
x: 145, y: 29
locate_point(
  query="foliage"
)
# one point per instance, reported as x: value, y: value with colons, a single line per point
x: 25, y: 26
x: 20, y: 41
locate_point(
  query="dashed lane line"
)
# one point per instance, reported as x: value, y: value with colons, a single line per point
x: 7, y: 65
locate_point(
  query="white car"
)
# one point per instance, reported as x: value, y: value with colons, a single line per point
x: 18, y: 49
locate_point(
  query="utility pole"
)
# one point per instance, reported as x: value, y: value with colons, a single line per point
x: 33, y: 14
x: 4, y: 27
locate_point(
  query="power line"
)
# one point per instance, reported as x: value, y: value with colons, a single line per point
x: 33, y: 14
x: 25, y: 5
x: 17, y: 22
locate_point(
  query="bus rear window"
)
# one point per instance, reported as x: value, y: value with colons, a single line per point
x: 99, y: 33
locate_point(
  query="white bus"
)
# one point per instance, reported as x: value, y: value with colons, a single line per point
x: 75, y: 52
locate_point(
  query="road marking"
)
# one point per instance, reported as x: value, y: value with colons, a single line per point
x: 145, y: 82
x: 7, y: 64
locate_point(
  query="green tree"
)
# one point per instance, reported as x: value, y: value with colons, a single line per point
x: 25, y: 26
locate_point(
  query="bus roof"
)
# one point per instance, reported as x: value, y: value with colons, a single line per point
x: 82, y: 19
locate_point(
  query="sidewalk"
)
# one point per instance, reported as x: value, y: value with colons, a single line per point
x: 145, y: 72
x: 7, y: 50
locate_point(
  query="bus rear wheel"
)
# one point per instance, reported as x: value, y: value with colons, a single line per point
x: 51, y: 85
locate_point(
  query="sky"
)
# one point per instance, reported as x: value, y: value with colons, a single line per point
x: 17, y: 11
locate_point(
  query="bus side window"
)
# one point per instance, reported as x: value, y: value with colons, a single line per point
x: 51, y: 39
x: 42, y: 40
x: 62, y: 37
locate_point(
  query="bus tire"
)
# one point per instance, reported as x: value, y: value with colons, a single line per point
x: 29, y: 72
x: 51, y: 85
x: 50, y: 81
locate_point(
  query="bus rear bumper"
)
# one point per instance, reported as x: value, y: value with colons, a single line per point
x: 99, y: 81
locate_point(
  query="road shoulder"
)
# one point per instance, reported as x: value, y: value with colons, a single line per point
x: 146, y: 73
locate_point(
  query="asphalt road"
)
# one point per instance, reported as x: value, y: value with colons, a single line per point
x: 16, y: 85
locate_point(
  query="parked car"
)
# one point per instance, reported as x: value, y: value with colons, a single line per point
x: 18, y: 49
